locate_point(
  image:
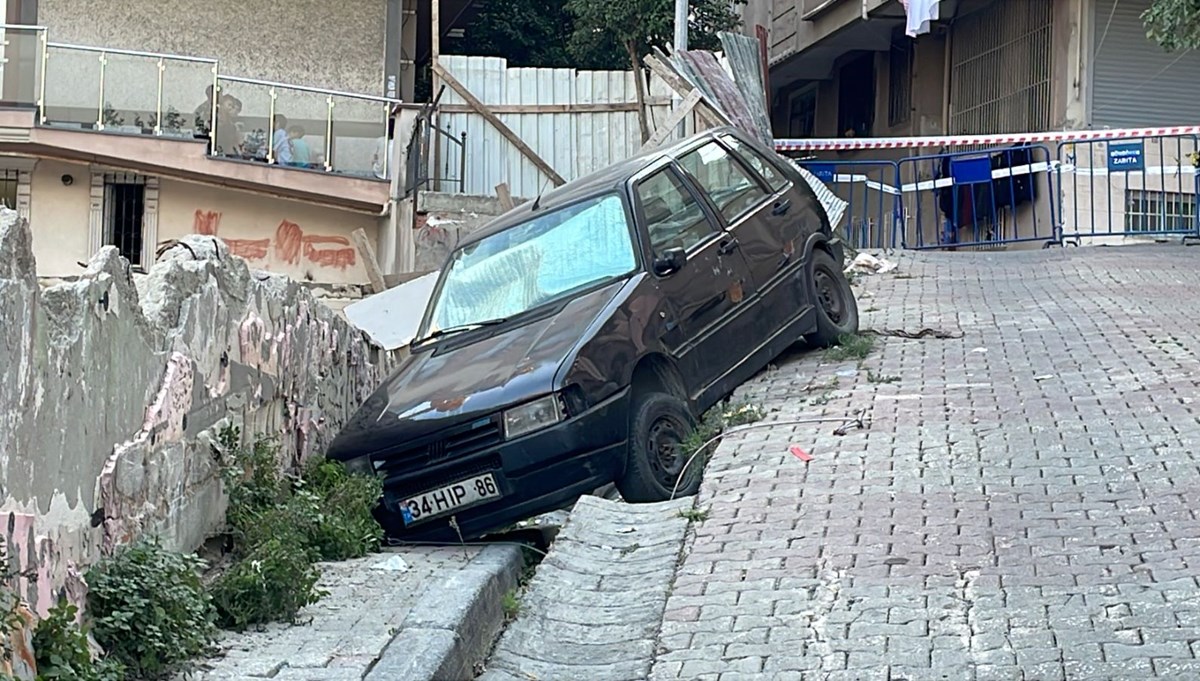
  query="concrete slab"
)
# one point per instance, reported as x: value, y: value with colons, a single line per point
x: 370, y: 601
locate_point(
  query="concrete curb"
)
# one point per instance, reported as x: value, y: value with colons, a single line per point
x: 453, y: 624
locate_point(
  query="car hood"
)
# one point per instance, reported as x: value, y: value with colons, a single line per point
x: 461, y: 378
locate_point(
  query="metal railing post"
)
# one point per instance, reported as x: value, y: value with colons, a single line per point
x: 462, y: 164
x: 212, y: 124
x: 271, y: 128
x: 100, y: 104
x: 158, y: 111
x: 329, y: 133
x: 44, y: 40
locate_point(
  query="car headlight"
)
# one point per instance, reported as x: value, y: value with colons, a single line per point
x: 531, y: 416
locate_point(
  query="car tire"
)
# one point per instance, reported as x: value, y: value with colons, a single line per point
x: 658, y: 426
x: 837, y: 311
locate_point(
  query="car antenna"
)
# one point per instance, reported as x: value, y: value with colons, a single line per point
x: 537, y: 201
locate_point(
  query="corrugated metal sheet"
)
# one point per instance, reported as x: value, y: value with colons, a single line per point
x: 745, y: 63
x: 703, y: 71
x: 574, y: 144
x: 1135, y: 82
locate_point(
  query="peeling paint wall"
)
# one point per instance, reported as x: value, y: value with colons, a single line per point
x: 111, y: 389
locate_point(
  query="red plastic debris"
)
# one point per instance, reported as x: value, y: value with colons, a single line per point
x: 798, y: 452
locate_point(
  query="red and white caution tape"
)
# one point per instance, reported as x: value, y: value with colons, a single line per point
x: 838, y: 144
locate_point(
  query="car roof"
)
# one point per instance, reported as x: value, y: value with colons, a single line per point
x: 608, y: 179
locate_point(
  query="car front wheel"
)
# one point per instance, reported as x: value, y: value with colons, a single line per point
x: 837, y: 311
x: 659, y: 427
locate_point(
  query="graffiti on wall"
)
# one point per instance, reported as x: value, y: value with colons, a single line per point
x: 291, y: 244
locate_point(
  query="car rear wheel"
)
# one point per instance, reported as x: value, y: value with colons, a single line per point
x: 659, y: 426
x: 837, y: 311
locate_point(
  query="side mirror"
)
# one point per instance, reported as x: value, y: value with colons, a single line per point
x: 671, y: 260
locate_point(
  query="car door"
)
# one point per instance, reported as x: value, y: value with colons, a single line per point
x: 703, y: 298
x: 757, y: 218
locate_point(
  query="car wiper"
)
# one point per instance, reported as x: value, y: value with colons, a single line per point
x: 451, y: 330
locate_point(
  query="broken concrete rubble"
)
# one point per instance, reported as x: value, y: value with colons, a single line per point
x: 110, y: 392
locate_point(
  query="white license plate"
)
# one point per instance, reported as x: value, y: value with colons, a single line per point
x: 448, y: 499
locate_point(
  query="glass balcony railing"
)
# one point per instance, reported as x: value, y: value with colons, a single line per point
x: 127, y: 91
x: 22, y: 58
x: 302, y: 127
x: 145, y: 93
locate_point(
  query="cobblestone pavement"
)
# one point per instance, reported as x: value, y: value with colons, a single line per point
x: 1022, y: 505
x: 593, y: 609
x: 340, y: 636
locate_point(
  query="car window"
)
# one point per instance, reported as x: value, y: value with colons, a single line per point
x: 768, y: 171
x: 731, y: 187
x: 674, y: 218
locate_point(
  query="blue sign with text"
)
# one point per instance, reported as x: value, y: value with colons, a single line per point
x: 1126, y: 157
x: 823, y: 171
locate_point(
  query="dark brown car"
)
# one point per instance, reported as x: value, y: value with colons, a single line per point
x: 574, y: 340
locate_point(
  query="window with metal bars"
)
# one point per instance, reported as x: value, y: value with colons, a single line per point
x: 1000, y: 71
x: 1159, y: 211
x: 8, y: 187
x: 124, y: 214
x: 900, y: 70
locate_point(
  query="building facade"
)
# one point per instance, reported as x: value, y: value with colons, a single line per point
x: 848, y: 69
x: 265, y: 125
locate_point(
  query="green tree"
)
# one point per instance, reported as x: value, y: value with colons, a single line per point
x: 638, y: 26
x: 529, y: 33
x: 1174, y: 24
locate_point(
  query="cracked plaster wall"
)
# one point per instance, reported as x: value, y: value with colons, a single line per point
x: 111, y: 391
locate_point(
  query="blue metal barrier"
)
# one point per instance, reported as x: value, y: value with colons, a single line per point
x: 871, y: 191
x: 979, y: 199
x: 1139, y: 187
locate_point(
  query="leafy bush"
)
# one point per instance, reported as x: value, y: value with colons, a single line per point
x: 339, y: 506
x: 62, y: 650
x: 149, y: 608
x: 271, y: 583
x: 281, y: 526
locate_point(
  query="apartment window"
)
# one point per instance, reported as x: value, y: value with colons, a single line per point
x: 1159, y: 211
x: 802, y: 112
x: 1000, y: 71
x: 856, y: 97
x: 900, y: 73
x: 125, y: 214
x: 8, y: 187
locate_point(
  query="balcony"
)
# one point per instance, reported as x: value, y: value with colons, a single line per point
x: 176, y: 115
x: 809, y: 35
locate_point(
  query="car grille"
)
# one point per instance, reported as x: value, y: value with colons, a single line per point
x: 455, y: 443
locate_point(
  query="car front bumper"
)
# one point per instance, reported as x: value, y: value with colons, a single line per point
x: 536, y: 473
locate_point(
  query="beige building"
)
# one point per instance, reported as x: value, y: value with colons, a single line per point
x: 109, y: 135
x: 846, y: 68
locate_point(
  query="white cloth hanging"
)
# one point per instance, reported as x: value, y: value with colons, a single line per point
x: 921, y: 13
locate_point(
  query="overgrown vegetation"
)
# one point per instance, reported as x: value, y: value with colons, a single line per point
x: 1173, y: 24
x: 851, y: 346
x: 716, y: 421
x: 282, y: 525
x: 150, y: 610
x: 694, y: 515
x: 873, y: 377
x: 62, y: 650
x: 10, y: 603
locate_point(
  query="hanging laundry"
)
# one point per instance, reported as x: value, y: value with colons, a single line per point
x: 921, y: 13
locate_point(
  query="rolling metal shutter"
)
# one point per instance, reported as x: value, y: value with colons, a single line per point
x: 1135, y: 83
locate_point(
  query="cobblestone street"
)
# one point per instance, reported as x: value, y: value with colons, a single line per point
x: 1022, y: 503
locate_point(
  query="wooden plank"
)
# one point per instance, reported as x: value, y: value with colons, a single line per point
x: 597, y: 107
x: 506, y: 200
x: 367, y: 252
x: 668, y: 126
x: 482, y: 109
x: 706, y: 111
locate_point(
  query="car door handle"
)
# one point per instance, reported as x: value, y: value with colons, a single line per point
x: 781, y: 207
x: 728, y: 246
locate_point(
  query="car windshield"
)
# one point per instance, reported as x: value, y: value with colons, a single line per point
x: 533, y: 263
